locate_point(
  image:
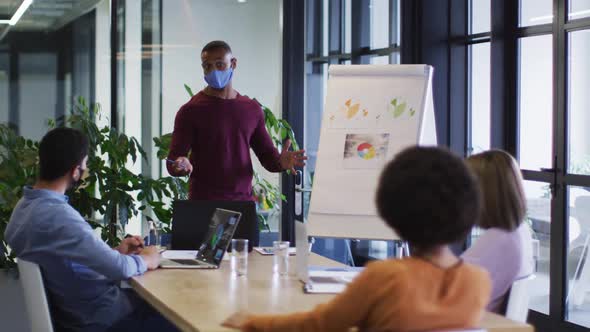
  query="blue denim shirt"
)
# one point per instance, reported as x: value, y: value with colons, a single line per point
x: 80, y: 271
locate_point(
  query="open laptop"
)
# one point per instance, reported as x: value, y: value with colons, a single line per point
x: 222, y: 227
x: 190, y: 222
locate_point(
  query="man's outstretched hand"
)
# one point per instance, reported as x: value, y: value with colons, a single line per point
x: 291, y: 159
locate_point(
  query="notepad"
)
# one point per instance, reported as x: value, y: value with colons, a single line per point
x: 329, y: 280
x: 324, y: 287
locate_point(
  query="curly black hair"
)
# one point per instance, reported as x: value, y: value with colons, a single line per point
x: 429, y: 197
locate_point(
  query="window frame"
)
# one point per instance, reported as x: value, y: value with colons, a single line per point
x: 504, y: 37
x: 360, y: 53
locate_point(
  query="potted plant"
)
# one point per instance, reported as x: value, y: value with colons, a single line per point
x: 111, y: 189
x: 107, y: 197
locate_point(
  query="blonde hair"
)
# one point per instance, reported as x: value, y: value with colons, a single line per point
x: 504, y: 202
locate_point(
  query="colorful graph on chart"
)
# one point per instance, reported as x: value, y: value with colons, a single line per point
x: 365, y: 151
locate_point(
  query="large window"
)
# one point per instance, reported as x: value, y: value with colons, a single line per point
x: 527, y: 73
x: 344, y: 32
x: 535, y: 105
x: 554, y: 152
x: 518, y: 81
x: 336, y: 36
x: 478, y: 47
x: 577, y: 155
x: 535, y: 101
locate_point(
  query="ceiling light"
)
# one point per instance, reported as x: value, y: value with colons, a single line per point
x: 242, y: 1
x: 19, y: 13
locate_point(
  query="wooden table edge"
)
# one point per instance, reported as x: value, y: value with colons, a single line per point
x: 162, y: 308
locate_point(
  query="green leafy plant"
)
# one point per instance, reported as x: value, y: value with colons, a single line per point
x: 111, y: 188
x: 108, y: 195
x: 18, y: 168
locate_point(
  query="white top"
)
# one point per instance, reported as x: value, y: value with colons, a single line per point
x: 507, y: 256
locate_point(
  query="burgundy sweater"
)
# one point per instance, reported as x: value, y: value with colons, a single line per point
x: 219, y: 133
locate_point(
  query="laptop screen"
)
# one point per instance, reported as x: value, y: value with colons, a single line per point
x: 221, y: 230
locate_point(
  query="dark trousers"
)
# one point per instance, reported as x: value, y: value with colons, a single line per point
x: 143, y: 319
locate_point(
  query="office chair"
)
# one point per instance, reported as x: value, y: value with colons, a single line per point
x: 35, y: 297
x: 517, y: 306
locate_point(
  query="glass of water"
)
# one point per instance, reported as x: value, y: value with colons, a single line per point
x: 281, y: 257
x: 153, y: 238
x: 239, y: 256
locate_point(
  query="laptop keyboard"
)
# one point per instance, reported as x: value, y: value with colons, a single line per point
x: 186, y: 261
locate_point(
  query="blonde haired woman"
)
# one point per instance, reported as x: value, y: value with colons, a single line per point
x: 505, y: 247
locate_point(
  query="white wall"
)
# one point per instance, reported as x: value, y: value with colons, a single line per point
x: 253, y: 30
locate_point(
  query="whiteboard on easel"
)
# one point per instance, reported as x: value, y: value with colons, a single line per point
x: 372, y: 112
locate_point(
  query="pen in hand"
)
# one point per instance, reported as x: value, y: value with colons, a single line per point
x: 170, y: 161
x: 179, y: 165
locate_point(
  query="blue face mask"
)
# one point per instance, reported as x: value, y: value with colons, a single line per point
x: 218, y: 79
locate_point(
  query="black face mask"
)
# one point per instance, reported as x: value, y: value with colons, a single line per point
x: 76, y: 183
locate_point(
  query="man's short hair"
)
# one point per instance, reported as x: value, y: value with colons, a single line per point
x: 429, y: 197
x: 61, y: 150
x: 216, y: 44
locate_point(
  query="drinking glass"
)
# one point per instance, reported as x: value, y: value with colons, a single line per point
x: 281, y: 257
x: 239, y: 257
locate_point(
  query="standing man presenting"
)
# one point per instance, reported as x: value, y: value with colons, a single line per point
x: 219, y: 126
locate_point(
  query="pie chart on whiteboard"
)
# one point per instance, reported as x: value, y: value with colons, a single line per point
x: 366, y: 151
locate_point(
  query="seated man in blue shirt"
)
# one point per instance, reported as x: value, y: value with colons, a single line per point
x: 81, y: 273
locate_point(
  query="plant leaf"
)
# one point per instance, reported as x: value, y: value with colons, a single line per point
x: 188, y: 90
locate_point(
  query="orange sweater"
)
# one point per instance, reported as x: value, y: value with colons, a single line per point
x: 395, y: 295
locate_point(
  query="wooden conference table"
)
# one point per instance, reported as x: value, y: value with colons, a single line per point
x: 199, y: 300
